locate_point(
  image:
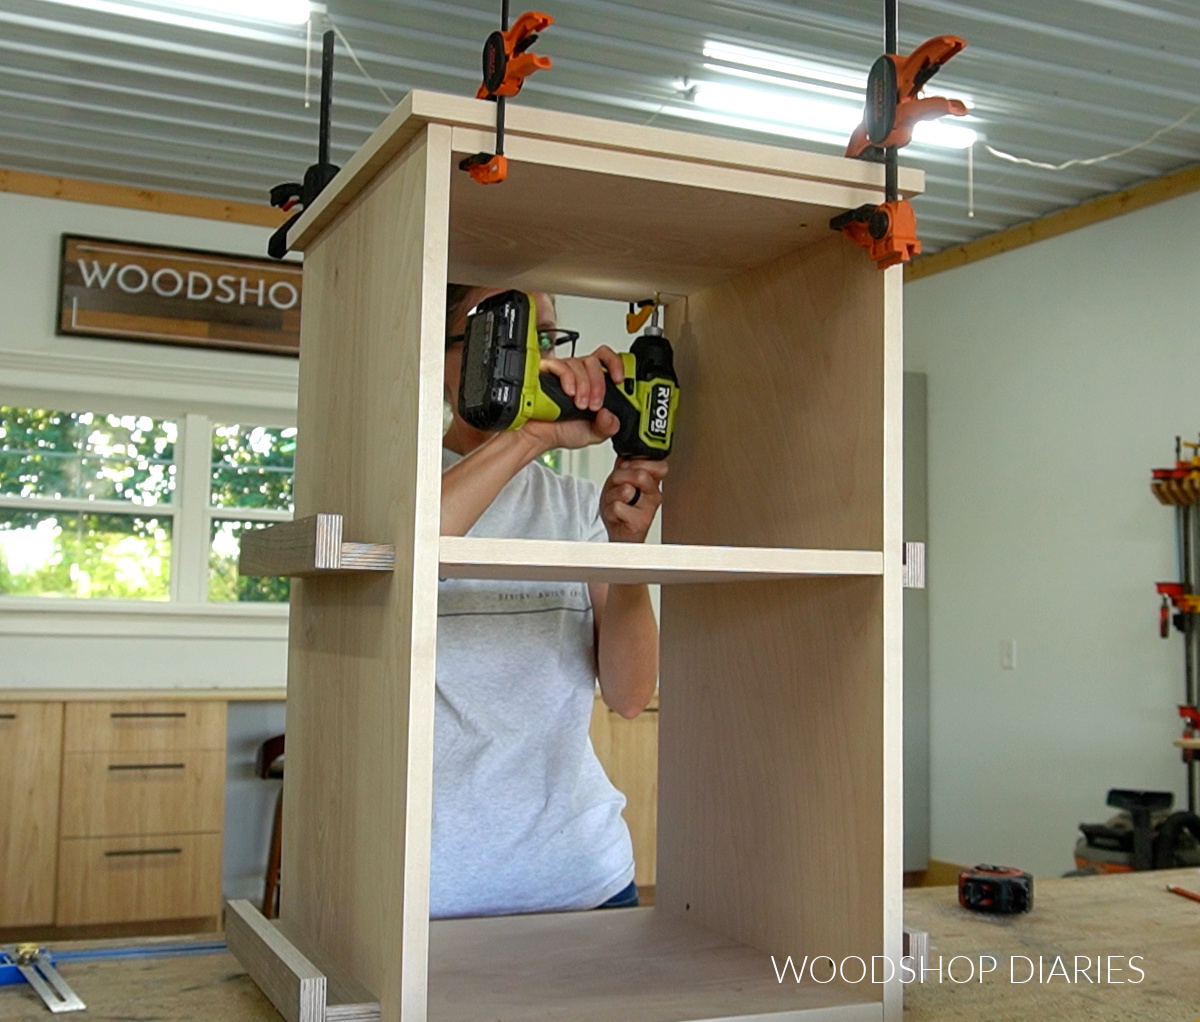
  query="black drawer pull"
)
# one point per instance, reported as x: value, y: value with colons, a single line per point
x: 147, y: 766
x: 146, y: 716
x: 143, y: 851
x: 8, y: 716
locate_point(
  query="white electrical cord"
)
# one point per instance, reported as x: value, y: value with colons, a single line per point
x: 349, y: 49
x: 1095, y: 159
x: 357, y: 62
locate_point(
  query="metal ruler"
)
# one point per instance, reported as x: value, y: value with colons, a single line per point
x: 36, y: 967
x: 29, y: 963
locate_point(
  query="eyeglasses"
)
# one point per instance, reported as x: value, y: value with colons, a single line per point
x: 548, y: 340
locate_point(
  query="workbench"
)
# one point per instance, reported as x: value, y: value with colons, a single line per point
x: 1119, y: 915
x: 1123, y: 915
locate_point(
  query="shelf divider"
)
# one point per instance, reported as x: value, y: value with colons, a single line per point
x: 565, y: 561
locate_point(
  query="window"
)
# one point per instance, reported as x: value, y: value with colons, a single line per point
x: 108, y: 505
x: 127, y: 506
x: 86, y: 504
x: 250, y: 487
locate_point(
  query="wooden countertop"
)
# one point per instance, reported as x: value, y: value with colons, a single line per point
x: 56, y: 695
x: 1120, y: 915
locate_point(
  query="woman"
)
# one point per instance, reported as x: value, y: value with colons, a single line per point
x: 524, y: 818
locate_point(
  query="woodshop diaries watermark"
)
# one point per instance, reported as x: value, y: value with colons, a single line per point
x: 1017, y: 969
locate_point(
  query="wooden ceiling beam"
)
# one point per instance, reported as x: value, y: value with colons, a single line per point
x: 98, y: 193
x: 1148, y: 193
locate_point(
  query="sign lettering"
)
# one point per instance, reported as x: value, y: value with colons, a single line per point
x: 178, y: 296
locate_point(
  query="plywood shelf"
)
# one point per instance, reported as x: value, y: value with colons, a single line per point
x: 637, y: 965
x: 558, y: 561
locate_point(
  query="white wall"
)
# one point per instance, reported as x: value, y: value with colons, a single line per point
x: 1059, y: 375
x: 42, y: 645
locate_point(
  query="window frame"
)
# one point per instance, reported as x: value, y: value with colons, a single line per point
x: 191, y: 514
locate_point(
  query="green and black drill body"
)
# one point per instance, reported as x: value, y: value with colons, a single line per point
x: 502, y: 387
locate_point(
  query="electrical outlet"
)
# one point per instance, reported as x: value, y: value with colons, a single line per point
x: 1008, y: 654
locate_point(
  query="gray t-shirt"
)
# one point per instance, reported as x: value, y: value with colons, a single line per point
x: 524, y: 818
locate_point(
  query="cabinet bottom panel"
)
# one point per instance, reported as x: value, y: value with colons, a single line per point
x: 124, y: 880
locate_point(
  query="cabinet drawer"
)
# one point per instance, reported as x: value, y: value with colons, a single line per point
x: 126, y: 880
x: 165, y: 724
x: 30, y: 760
x: 107, y: 794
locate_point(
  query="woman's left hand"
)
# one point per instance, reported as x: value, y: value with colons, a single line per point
x: 631, y: 497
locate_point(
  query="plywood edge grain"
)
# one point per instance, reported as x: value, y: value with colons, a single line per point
x: 346, y: 1000
x: 546, y: 560
x: 285, y: 976
x: 601, y: 133
x: 309, y: 546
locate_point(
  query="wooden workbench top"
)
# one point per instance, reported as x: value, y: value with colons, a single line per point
x: 195, y: 988
x: 1119, y: 916
x: 1122, y: 915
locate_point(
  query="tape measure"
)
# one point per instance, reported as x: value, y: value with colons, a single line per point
x: 1004, y: 890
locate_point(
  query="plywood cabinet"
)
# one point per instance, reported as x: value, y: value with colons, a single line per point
x: 30, y: 764
x: 779, y: 800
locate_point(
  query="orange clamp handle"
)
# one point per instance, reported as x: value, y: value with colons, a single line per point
x: 507, y: 63
x: 912, y: 72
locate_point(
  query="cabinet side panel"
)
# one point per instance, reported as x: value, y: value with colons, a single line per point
x: 780, y: 433
x: 770, y: 763
x: 30, y: 771
x: 361, y: 650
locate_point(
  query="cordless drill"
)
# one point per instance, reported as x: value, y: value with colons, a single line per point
x: 501, y: 386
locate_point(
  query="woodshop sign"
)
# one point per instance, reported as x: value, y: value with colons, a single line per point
x: 178, y: 296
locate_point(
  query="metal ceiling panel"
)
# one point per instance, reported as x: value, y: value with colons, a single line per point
x: 218, y: 108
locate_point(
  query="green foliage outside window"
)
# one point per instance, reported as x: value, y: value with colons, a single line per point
x: 82, y: 456
x: 225, y: 585
x: 82, y: 555
x: 85, y: 456
x: 251, y: 468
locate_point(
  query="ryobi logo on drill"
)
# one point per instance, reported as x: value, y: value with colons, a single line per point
x: 660, y: 409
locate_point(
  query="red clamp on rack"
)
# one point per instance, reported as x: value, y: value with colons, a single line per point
x: 507, y: 62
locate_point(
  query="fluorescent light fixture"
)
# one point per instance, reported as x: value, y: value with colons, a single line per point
x: 204, y: 14
x: 797, y: 111
x: 794, y: 67
x: 282, y: 12
x: 943, y: 134
x: 798, y: 97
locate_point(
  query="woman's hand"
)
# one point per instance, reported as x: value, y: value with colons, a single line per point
x: 583, y: 380
x: 631, y: 497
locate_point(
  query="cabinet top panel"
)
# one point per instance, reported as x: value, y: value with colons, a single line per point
x: 607, y: 209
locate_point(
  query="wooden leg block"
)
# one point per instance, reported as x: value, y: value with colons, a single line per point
x: 304, y: 987
x: 288, y: 980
